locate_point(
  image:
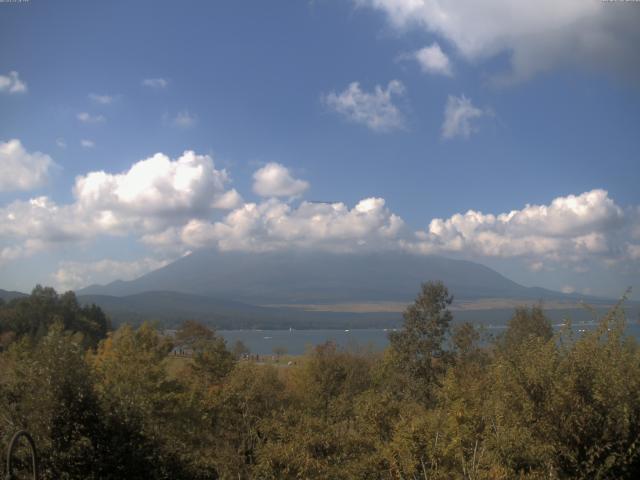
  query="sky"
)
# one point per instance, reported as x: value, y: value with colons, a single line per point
x: 503, y: 132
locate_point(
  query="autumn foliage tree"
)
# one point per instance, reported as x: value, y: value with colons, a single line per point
x: 442, y: 401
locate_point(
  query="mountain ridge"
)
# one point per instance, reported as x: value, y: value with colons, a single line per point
x: 303, y: 277
x: 8, y: 295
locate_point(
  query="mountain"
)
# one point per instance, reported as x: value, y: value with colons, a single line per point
x: 311, y: 290
x: 319, y: 278
x: 8, y: 296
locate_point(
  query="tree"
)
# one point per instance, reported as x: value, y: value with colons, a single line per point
x: 418, y: 349
x: 250, y: 397
x: 316, y: 437
x: 47, y: 389
x: 240, y: 349
x: 525, y: 324
x: 191, y: 334
x: 212, y: 361
x: 144, y: 412
x: 32, y: 316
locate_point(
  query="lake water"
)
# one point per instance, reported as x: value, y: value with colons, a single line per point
x: 263, y: 342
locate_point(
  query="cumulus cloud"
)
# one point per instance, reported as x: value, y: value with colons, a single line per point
x: 85, y: 117
x: 274, y: 224
x: 11, y: 83
x: 27, y: 227
x: 156, y: 83
x: 101, y: 99
x: 20, y: 169
x: 537, y: 36
x: 85, y: 143
x: 228, y: 200
x: 174, y: 205
x: 72, y: 275
x: 274, y: 180
x: 433, y: 60
x: 459, y: 115
x: 376, y: 110
x: 569, y: 229
x: 153, y: 195
x: 156, y: 190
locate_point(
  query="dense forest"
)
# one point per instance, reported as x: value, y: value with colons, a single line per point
x: 440, y: 402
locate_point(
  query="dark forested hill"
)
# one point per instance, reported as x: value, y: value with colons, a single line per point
x: 7, y: 295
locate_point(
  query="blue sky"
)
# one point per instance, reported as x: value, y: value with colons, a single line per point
x: 494, y: 109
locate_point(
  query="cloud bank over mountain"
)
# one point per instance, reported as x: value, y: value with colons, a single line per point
x: 174, y: 206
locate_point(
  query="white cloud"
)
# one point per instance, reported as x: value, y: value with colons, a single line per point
x: 537, y: 36
x: 459, y: 114
x: 60, y: 142
x: 22, y: 170
x: 101, y: 99
x: 87, y: 143
x: 228, y: 200
x: 568, y: 289
x: 173, y: 205
x: 157, y: 83
x: 27, y: 227
x: 154, y: 195
x: 184, y: 119
x: 376, y: 110
x: 274, y: 224
x: 74, y: 275
x: 433, y: 60
x: 155, y: 191
x: 11, y: 83
x: 274, y: 180
x: 570, y: 229
x: 85, y: 117
x: 9, y: 254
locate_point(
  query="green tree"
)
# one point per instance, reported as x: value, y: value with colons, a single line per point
x: 251, y: 397
x: 144, y: 408
x: 32, y: 316
x: 192, y: 334
x: 526, y: 323
x: 316, y: 437
x: 46, y: 389
x: 211, y: 360
x: 418, y: 349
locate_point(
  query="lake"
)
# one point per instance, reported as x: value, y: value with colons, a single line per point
x: 263, y: 342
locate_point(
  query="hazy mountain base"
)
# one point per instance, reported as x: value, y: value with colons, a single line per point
x: 170, y: 309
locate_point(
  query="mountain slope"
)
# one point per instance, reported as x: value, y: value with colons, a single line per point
x: 8, y: 296
x: 297, y: 277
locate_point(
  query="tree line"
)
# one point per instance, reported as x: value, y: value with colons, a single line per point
x: 440, y: 402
